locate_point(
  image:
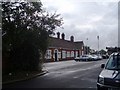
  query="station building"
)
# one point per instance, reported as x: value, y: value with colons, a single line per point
x: 61, y: 49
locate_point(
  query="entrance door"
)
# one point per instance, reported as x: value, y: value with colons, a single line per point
x: 56, y: 57
x: 56, y: 54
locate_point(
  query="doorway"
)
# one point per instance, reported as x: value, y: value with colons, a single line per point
x: 56, y: 54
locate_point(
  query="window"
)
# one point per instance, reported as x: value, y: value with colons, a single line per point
x: 72, y: 54
x: 63, y: 54
x: 59, y: 54
x: 68, y: 53
x: 48, y: 54
x: 113, y: 62
x: 76, y: 53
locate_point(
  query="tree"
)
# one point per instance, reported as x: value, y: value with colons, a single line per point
x: 26, y: 27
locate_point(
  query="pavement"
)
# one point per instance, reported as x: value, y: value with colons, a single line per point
x: 36, y: 75
x: 30, y: 77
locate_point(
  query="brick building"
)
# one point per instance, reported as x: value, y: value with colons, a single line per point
x: 61, y: 49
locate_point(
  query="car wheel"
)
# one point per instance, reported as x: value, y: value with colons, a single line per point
x: 76, y: 60
x: 99, y: 88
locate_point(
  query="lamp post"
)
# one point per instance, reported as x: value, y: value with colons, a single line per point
x: 87, y: 46
x: 98, y: 43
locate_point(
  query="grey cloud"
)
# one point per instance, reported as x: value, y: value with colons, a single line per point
x: 102, y: 17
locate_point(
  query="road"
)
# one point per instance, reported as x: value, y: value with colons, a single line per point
x: 65, y: 74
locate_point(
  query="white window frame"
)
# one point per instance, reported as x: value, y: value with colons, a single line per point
x: 48, y: 54
x: 68, y: 53
x: 76, y: 53
x: 63, y: 54
x: 72, y: 53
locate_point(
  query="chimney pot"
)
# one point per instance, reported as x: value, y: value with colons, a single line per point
x: 58, y: 35
x: 72, y: 38
x: 63, y: 36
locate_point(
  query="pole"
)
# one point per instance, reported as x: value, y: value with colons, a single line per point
x: 87, y: 46
x: 98, y: 43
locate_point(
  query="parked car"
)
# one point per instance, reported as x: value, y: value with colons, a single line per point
x: 109, y: 78
x: 81, y: 58
x: 105, y: 56
x: 100, y: 57
x: 88, y: 58
x: 94, y: 57
x: 85, y: 58
x: 77, y: 59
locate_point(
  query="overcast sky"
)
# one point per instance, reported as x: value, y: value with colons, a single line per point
x: 87, y: 20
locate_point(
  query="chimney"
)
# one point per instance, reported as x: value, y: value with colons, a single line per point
x: 63, y: 36
x: 72, y: 39
x: 58, y: 35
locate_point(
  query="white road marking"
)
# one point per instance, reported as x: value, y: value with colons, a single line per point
x: 90, y: 87
x: 75, y: 77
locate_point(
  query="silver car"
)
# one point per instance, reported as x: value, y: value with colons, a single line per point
x: 86, y: 57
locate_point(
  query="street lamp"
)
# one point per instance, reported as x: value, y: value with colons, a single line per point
x: 87, y: 46
x: 98, y: 43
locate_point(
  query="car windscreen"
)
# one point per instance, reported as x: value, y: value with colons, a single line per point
x: 113, y: 63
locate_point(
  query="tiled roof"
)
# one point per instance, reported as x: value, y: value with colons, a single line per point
x: 65, y: 44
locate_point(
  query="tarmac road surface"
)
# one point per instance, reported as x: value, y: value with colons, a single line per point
x: 64, y: 74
